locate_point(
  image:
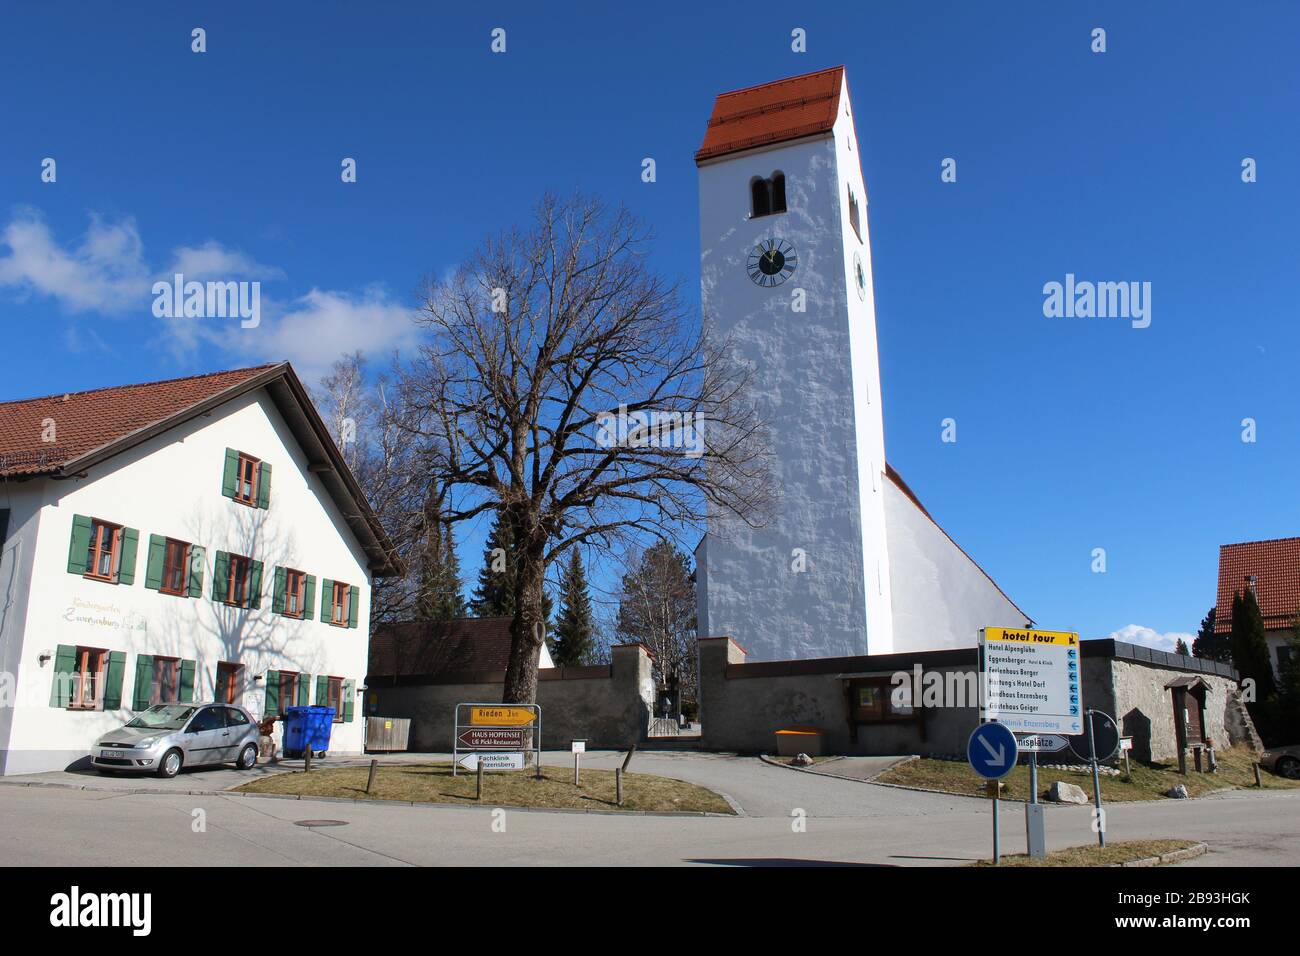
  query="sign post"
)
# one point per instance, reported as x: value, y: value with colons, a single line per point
x: 496, y: 737
x: 991, y: 752
x: 579, y: 748
x: 1029, y: 683
x: 1101, y: 742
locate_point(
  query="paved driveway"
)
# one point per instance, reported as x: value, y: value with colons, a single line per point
x: 843, y: 822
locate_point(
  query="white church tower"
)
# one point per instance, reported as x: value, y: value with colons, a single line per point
x: 785, y: 263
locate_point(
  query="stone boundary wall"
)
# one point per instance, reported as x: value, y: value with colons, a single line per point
x: 742, y: 705
x: 608, y: 705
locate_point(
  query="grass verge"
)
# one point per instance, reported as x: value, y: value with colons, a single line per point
x: 1110, y: 855
x: 1146, y: 782
x: 433, y: 783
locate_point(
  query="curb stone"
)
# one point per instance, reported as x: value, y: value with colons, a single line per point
x: 822, y: 773
x: 1173, y: 856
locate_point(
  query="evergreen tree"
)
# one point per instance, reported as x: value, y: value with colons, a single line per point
x: 439, y: 597
x: 1211, y: 646
x: 1250, y: 645
x: 495, y: 594
x: 1181, y: 648
x: 574, y: 630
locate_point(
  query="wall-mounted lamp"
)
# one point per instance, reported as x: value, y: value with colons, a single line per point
x: 46, y: 657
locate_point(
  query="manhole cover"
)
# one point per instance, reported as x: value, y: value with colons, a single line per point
x: 320, y: 823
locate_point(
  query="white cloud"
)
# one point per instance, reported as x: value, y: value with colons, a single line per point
x: 1150, y: 637
x: 213, y: 260
x: 317, y: 328
x: 104, y: 272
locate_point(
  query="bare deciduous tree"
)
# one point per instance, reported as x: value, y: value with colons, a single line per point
x: 564, y: 385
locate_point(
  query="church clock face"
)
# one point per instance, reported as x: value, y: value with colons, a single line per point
x: 859, y: 277
x: 771, y: 262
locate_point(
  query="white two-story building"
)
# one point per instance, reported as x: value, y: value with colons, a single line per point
x: 186, y: 540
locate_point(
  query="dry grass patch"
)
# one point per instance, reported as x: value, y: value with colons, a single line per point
x: 434, y: 783
x: 1146, y: 782
x: 1113, y: 853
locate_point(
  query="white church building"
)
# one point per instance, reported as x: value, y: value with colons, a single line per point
x: 853, y: 564
x: 197, y: 539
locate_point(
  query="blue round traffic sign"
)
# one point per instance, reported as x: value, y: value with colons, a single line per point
x: 992, y: 751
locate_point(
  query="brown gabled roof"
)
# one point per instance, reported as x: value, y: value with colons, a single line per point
x: 90, y: 427
x: 41, y: 435
x: 1275, y: 565
x: 902, y: 486
x: 468, y: 645
x: 772, y: 113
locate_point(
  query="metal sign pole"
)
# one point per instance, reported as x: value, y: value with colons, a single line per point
x: 996, y: 785
x: 1096, y: 779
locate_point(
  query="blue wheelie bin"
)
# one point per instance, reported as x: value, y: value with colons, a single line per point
x: 307, y: 728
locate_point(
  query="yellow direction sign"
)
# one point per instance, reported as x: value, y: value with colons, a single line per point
x: 501, y: 716
x: 1019, y: 635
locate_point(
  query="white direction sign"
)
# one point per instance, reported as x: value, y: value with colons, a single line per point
x: 1042, y: 743
x: 493, y: 761
x: 1030, y: 680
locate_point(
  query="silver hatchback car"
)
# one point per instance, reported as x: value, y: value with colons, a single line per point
x: 166, y: 737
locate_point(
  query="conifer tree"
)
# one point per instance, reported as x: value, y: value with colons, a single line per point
x: 574, y: 630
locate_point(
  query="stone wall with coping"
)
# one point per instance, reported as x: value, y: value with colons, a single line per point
x: 607, y: 705
x: 742, y: 705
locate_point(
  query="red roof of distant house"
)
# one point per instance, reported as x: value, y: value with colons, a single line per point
x: 81, y: 422
x: 466, y: 645
x: 1276, y: 567
x: 773, y: 113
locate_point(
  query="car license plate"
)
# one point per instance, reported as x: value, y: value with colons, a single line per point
x: 111, y: 754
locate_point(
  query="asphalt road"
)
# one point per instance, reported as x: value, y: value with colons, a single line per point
x: 843, y: 822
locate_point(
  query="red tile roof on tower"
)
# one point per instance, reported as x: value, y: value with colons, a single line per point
x: 81, y: 422
x: 773, y: 113
x: 1276, y: 567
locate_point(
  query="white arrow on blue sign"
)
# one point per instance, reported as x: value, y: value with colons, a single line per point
x: 992, y: 751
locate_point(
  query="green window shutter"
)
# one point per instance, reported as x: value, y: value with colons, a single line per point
x: 126, y: 560
x: 143, y: 680
x: 349, y: 692
x: 79, y: 546
x: 197, y: 555
x: 272, y: 693
x: 277, y: 600
x: 354, y: 602
x: 264, y: 485
x: 322, y: 690
x: 326, y: 598
x: 113, y: 680
x: 304, y: 690
x: 309, y: 599
x: 255, y: 584
x: 185, y: 693
x: 230, y: 475
x: 153, y: 566
x: 65, y: 660
x: 220, y: 574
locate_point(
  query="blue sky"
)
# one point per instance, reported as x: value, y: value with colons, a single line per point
x: 1073, y: 434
